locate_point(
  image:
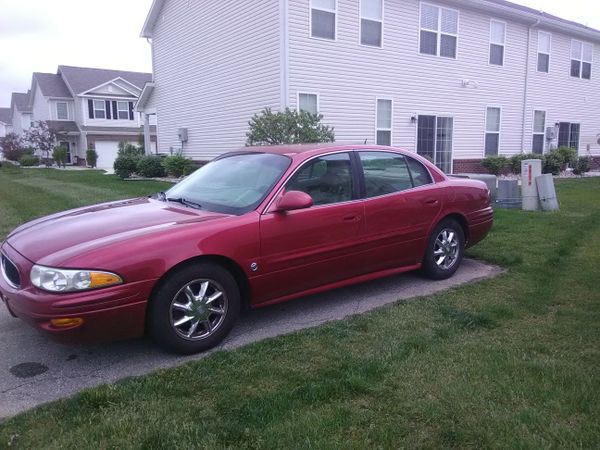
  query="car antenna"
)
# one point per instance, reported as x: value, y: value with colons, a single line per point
x: 366, y: 141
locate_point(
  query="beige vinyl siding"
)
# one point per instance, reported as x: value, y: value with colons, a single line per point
x: 349, y: 77
x: 215, y: 65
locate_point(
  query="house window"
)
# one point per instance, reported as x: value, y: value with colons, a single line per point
x: 539, y: 131
x: 62, y: 111
x: 497, y: 42
x: 323, y: 19
x: 439, y: 31
x: 581, y: 59
x: 568, y: 135
x: 123, y: 110
x: 434, y: 140
x: 492, y: 130
x: 99, y: 109
x: 371, y: 22
x: 384, y: 122
x: 308, y: 103
x: 544, y: 44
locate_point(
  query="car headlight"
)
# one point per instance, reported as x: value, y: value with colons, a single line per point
x: 63, y: 280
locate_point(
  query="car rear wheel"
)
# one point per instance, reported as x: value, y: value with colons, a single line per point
x: 194, y: 308
x: 444, y: 250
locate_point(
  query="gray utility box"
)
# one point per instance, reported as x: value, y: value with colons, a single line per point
x: 509, y: 196
x: 547, y: 193
x: 490, y: 180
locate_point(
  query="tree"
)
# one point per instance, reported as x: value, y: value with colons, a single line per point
x: 42, y: 138
x: 11, y: 146
x: 288, y: 127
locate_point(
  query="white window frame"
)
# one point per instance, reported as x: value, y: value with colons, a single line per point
x: 99, y: 109
x: 310, y: 35
x: 439, y: 30
x: 486, y: 132
x: 390, y: 129
x: 121, y: 110
x: 299, y: 93
x: 360, y: 19
x: 435, y: 141
x: 66, y: 109
x: 537, y: 133
x: 581, y: 60
x: 502, y: 44
x: 537, y: 65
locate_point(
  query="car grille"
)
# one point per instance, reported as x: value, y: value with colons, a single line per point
x: 10, y: 272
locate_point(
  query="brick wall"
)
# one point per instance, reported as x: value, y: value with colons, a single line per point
x: 468, y: 166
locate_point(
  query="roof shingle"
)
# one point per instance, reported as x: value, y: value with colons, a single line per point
x: 52, y: 85
x: 5, y: 114
x: 82, y: 79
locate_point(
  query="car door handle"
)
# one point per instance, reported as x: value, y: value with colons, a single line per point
x: 432, y: 201
x: 352, y: 218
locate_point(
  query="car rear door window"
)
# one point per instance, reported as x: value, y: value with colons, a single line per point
x: 327, y: 179
x: 420, y: 174
x: 385, y: 173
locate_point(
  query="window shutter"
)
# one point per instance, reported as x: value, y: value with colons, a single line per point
x: 130, y: 110
x: 91, y: 109
x: 115, y: 110
x: 107, y: 107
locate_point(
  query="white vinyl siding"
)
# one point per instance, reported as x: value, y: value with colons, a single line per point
x: 497, y: 42
x: 543, y: 53
x: 439, y: 31
x: 493, y: 120
x: 384, y: 120
x: 539, y: 131
x: 308, y: 102
x: 323, y: 18
x: 582, y: 54
x: 371, y: 22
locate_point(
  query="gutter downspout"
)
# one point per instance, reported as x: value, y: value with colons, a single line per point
x: 526, y: 89
x: 284, y: 63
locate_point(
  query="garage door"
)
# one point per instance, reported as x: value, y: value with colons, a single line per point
x: 107, y: 153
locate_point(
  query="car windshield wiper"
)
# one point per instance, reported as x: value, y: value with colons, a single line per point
x: 184, y: 201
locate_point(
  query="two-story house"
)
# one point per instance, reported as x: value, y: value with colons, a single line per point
x: 20, y: 112
x: 89, y: 108
x: 5, y: 122
x: 454, y: 80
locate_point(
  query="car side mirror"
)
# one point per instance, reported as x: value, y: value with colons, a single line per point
x: 293, y: 200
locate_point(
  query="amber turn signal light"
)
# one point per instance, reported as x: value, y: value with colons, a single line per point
x: 102, y: 279
x: 66, y: 322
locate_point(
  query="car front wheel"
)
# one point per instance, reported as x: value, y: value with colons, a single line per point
x: 194, y: 308
x: 444, y: 250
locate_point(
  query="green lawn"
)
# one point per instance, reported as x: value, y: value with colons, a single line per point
x: 509, y: 362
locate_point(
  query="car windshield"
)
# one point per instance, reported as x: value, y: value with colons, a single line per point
x: 232, y: 184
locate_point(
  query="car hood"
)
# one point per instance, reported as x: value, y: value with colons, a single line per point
x: 88, y: 228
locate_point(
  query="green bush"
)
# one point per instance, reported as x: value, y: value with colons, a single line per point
x: 150, y: 166
x: 130, y: 150
x: 515, y: 161
x: 495, y: 164
x: 125, y: 166
x: 177, y: 165
x: 552, y: 163
x: 59, y: 155
x: 567, y: 155
x: 28, y: 160
x: 91, y: 156
x: 582, y: 165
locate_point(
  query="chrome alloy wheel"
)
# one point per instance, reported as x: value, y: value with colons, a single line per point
x: 198, y: 309
x: 446, y: 249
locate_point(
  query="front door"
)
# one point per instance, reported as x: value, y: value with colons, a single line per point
x: 67, y: 145
x: 319, y: 245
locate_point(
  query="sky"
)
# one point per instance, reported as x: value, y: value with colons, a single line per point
x: 38, y: 35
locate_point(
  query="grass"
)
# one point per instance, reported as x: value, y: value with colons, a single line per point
x: 508, y: 362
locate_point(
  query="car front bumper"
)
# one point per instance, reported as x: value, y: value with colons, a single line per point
x: 109, y: 314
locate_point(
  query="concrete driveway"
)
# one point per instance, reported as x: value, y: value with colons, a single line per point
x: 34, y: 370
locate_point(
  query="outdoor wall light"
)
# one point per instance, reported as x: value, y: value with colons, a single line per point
x: 413, y: 119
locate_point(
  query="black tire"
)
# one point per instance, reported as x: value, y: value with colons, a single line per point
x: 167, y: 308
x: 431, y: 262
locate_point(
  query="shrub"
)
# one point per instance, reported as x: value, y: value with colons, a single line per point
x: 125, y: 165
x: 130, y: 150
x: 91, y: 156
x: 515, y: 161
x: 59, y: 155
x: 177, y: 165
x: 28, y: 160
x: 552, y: 163
x: 567, y: 155
x: 150, y: 166
x: 288, y: 127
x: 582, y: 165
x: 495, y: 164
x: 11, y: 146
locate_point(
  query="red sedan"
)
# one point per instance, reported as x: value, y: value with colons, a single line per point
x: 252, y: 228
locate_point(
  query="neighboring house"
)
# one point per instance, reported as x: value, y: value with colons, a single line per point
x: 89, y: 108
x: 454, y: 80
x: 5, y: 122
x: 20, y: 112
